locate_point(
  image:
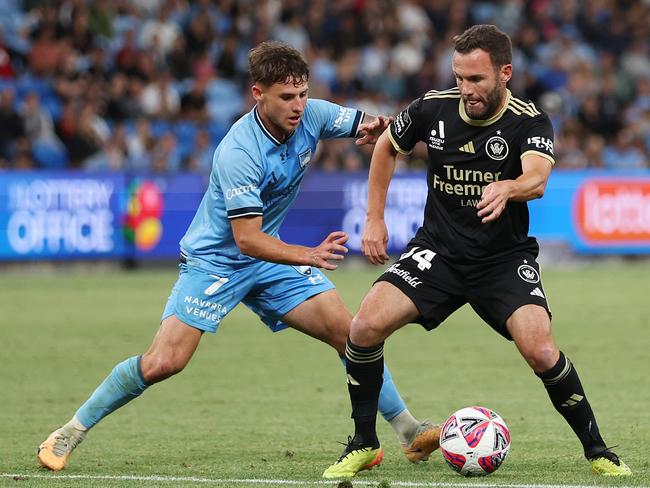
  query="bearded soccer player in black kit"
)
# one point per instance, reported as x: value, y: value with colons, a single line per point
x: 488, y: 154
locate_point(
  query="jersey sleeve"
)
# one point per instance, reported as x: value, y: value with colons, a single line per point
x: 538, y: 138
x: 403, y: 131
x: 330, y: 120
x: 240, y: 178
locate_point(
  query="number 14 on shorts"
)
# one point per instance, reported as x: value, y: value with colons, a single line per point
x: 423, y: 257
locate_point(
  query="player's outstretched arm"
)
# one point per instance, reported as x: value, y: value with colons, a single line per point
x: 375, y: 233
x: 529, y: 186
x: 371, y: 128
x: 252, y: 241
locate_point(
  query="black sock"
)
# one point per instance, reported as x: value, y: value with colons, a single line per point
x: 565, y: 390
x: 365, y: 366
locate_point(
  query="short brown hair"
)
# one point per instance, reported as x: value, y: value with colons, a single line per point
x: 276, y: 62
x: 488, y: 38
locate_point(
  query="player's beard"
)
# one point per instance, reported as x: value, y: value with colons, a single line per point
x: 491, y: 104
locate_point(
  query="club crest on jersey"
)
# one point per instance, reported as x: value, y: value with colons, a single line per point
x: 401, y: 123
x: 527, y: 273
x: 305, y: 157
x: 496, y: 148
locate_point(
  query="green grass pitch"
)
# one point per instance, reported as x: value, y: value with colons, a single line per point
x: 254, y: 405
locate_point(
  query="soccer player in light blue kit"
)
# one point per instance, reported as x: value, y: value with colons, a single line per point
x: 232, y: 252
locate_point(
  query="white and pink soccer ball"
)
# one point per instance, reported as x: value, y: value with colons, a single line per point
x: 474, y: 441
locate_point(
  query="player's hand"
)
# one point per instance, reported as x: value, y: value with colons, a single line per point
x: 331, y: 249
x: 370, y: 131
x: 374, y: 241
x: 494, y: 200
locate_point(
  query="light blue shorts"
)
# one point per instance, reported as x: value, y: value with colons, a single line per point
x: 202, y: 299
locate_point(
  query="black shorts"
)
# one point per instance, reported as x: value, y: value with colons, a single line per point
x: 438, y: 287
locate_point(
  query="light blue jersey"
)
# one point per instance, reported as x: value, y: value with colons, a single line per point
x: 255, y: 174
x: 252, y: 174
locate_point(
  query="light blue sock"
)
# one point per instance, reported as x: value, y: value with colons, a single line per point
x: 390, y: 401
x: 120, y: 387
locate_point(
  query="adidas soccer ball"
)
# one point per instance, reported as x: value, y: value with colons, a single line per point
x: 474, y: 441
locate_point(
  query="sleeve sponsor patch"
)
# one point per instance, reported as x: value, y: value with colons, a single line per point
x: 401, y: 123
x: 343, y: 117
x: 541, y: 143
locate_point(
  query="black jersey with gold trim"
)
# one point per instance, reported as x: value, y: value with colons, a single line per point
x: 464, y: 156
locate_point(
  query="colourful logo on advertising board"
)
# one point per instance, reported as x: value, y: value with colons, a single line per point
x: 142, y: 224
x: 613, y: 211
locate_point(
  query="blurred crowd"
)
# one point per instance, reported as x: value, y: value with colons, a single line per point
x: 153, y: 85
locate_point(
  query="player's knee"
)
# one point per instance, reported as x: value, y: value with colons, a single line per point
x: 542, y: 357
x: 366, y: 330
x: 156, y: 368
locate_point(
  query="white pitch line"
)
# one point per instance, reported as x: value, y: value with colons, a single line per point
x: 281, y: 482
